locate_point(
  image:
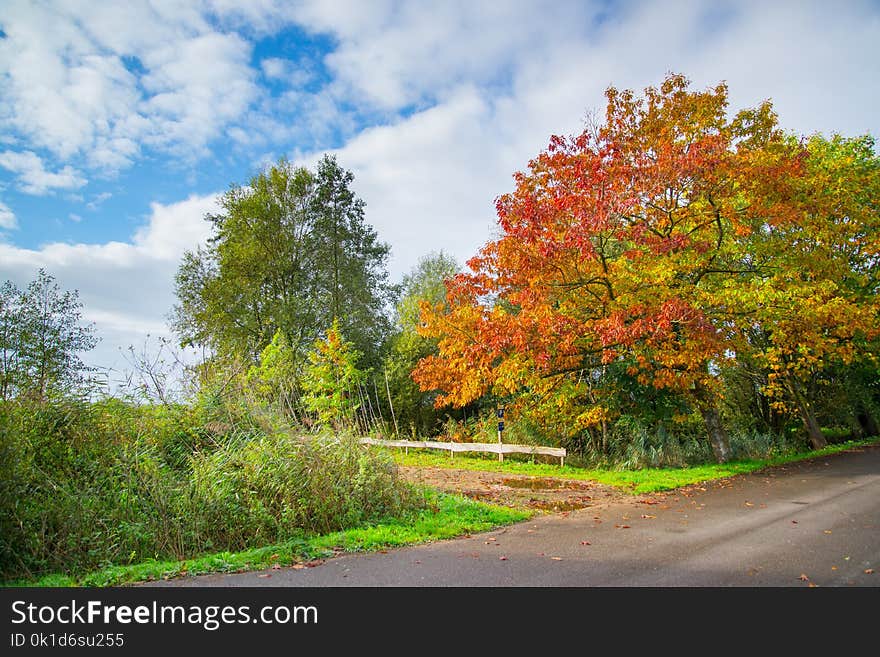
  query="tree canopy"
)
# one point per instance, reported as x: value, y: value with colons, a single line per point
x: 42, y: 338
x: 290, y: 252
x: 641, y: 257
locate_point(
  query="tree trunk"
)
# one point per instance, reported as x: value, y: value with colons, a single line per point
x: 814, y: 431
x: 717, y: 434
x: 714, y: 429
x: 868, y: 423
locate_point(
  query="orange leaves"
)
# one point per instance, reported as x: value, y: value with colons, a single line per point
x: 652, y: 248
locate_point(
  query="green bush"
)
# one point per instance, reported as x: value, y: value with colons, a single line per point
x: 85, y: 485
x: 274, y: 486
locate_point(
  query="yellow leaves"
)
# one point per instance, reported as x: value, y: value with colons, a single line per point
x: 614, y: 255
x: 591, y: 417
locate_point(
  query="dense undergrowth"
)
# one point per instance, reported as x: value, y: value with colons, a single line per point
x: 85, y: 485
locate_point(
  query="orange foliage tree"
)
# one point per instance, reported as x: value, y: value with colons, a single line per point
x: 627, y: 261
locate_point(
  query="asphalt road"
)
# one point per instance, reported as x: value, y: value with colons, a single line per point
x: 815, y: 522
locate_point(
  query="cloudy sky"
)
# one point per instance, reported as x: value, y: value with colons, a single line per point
x: 121, y: 121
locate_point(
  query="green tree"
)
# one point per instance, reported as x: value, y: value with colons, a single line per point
x: 41, y: 339
x: 289, y: 252
x: 350, y: 263
x: 274, y: 379
x: 10, y: 297
x: 413, y: 408
x: 331, y: 380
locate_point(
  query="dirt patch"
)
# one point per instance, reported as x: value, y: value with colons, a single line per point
x: 542, y: 493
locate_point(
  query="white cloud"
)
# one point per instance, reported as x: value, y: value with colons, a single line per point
x: 100, y: 81
x: 7, y: 217
x: 430, y: 180
x: 126, y: 287
x: 274, y: 68
x: 33, y: 178
x: 196, y: 87
x: 98, y: 200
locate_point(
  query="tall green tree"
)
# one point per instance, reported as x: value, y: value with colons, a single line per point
x: 41, y: 339
x: 289, y: 252
x: 425, y: 284
x: 350, y: 263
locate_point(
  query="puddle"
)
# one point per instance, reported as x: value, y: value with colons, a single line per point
x: 559, y: 505
x: 538, y: 483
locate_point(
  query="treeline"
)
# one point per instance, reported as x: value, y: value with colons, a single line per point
x: 673, y: 285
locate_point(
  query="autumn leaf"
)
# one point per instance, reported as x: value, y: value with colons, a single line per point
x: 804, y: 578
x: 869, y: 571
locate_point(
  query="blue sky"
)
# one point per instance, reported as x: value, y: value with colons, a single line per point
x: 121, y: 122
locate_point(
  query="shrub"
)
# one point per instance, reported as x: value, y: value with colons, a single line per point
x: 85, y: 485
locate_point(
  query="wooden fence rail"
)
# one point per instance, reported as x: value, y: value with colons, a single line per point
x: 492, y: 448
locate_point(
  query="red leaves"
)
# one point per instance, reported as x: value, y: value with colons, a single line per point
x: 630, y: 245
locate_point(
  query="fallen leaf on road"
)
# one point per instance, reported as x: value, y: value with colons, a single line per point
x: 383, y: 551
x: 540, y: 554
x: 417, y: 561
x: 622, y: 526
x: 491, y: 538
x: 648, y: 501
x: 794, y: 522
x: 869, y: 571
x: 827, y: 531
x: 647, y: 517
x: 264, y: 575
x: 276, y: 566
x: 298, y: 566
x: 811, y: 585
x: 804, y: 578
x: 556, y: 558
x: 502, y: 558
x: 749, y: 504
x: 585, y: 543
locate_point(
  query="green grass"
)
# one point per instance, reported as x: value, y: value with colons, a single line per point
x: 647, y: 480
x: 447, y: 516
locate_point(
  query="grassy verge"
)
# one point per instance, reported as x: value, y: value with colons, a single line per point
x: 648, y: 480
x: 447, y: 516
